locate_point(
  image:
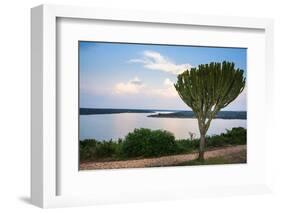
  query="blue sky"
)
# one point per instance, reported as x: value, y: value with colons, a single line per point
x: 140, y: 76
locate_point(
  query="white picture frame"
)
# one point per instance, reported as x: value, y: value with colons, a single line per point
x: 45, y: 165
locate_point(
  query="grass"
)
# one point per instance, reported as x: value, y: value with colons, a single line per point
x: 240, y: 157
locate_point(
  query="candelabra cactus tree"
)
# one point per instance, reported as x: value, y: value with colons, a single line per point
x: 207, y: 89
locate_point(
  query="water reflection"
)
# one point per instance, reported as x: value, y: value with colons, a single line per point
x: 107, y: 126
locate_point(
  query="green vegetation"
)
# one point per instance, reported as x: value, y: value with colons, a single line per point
x: 239, y: 157
x: 207, y: 89
x: 149, y: 143
x: 142, y: 143
x: 92, y: 149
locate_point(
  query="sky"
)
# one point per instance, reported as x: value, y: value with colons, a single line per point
x: 141, y: 76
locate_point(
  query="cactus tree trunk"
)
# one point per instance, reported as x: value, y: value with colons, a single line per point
x: 203, y: 130
x: 201, y: 147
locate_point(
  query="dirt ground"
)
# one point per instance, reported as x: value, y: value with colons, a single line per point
x: 234, y: 154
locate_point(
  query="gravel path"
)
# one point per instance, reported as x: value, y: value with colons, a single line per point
x: 161, y: 161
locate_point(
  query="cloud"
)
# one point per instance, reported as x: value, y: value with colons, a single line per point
x: 136, y: 81
x: 168, y: 82
x: 155, y: 61
x: 168, y: 91
x: 133, y: 86
x: 136, y: 87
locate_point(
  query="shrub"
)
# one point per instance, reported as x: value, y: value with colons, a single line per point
x: 92, y: 149
x: 148, y: 143
x: 87, y: 149
x: 160, y: 143
x: 236, y: 136
x: 216, y: 141
x: 187, y: 145
x: 154, y: 143
x: 105, y: 149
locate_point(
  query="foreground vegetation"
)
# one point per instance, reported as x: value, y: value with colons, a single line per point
x: 143, y: 143
x: 240, y: 157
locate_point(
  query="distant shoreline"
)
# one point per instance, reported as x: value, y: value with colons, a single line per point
x: 229, y: 115
x: 96, y: 111
x: 156, y: 113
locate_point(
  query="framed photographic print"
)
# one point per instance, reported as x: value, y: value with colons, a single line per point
x: 162, y: 116
x: 130, y: 106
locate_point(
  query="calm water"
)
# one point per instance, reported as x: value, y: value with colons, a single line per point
x: 107, y: 126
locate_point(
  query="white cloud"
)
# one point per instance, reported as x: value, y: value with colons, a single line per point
x: 136, y: 87
x: 155, y: 61
x: 169, y: 89
x: 168, y: 92
x: 136, y: 81
x: 168, y: 82
x: 133, y: 86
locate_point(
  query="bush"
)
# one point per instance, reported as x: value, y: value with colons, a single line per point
x: 154, y: 143
x: 148, y: 143
x: 87, y: 149
x: 92, y: 149
x: 187, y: 145
x: 216, y: 141
x: 105, y: 149
x: 236, y: 136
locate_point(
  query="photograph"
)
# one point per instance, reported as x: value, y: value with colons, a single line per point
x: 161, y: 105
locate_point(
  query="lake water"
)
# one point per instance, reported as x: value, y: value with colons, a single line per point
x: 114, y: 126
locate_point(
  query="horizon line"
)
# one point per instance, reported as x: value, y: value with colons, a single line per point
x: 153, y: 109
